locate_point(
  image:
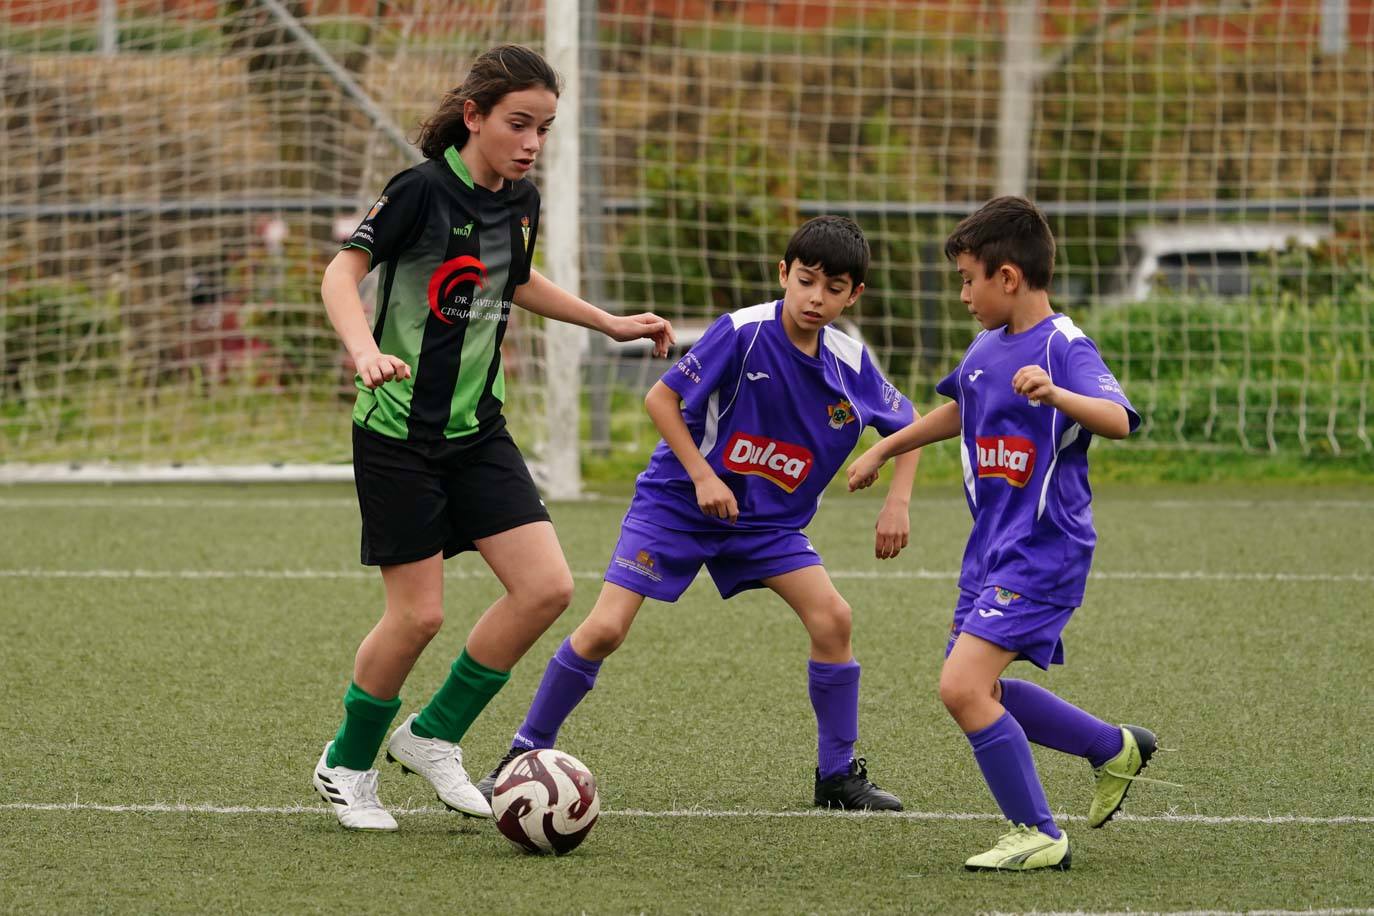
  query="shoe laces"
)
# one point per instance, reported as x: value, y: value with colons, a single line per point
x: 1012, y: 837
x: 437, y: 750
x: 365, y: 791
x: 858, y: 769
x: 1106, y: 770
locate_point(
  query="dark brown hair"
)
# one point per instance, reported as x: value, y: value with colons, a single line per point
x: 495, y: 74
x: 833, y: 242
x: 1007, y: 230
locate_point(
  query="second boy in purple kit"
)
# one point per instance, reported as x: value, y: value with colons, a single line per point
x: 1027, y: 398
x: 756, y: 419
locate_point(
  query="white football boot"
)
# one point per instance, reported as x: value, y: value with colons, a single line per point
x: 352, y: 794
x: 441, y: 764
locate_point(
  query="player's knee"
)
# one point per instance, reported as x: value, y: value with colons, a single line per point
x: 558, y: 593
x: 957, y: 695
x: 833, y: 625
x: 548, y: 595
x: 424, y: 620
x: 842, y: 616
x: 595, y: 639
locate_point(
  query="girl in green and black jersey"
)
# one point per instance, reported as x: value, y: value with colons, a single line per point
x: 436, y: 470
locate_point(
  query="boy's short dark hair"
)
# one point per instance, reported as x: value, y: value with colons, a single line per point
x: 1007, y: 230
x: 835, y: 243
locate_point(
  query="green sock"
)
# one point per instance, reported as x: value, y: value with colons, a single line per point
x: 366, y: 720
x: 467, y: 691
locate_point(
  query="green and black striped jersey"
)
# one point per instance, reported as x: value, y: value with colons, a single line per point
x: 451, y: 254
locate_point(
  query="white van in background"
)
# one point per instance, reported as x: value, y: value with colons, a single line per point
x: 1208, y: 259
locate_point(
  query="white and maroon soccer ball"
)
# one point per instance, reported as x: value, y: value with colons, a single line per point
x: 545, y: 801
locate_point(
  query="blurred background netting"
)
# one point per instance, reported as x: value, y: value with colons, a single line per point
x: 175, y: 175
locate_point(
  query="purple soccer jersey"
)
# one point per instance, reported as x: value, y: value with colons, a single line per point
x: 774, y: 424
x: 1025, y: 466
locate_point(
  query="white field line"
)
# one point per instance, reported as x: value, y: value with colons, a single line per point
x: 708, y: 814
x: 1336, y: 912
x: 933, y: 575
x: 173, y: 502
x: 1285, y: 504
x: 288, y: 503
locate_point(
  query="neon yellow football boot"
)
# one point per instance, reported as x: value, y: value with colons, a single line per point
x: 1022, y: 849
x: 1114, y: 777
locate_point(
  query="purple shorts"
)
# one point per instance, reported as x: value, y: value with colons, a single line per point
x: 660, y: 563
x: 1013, y: 622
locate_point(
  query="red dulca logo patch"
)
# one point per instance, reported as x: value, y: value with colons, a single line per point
x: 1010, y: 457
x: 445, y: 281
x: 785, y: 464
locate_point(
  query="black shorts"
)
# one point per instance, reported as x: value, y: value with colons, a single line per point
x: 418, y: 498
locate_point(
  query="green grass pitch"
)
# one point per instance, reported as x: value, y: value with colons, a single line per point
x: 173, y: 658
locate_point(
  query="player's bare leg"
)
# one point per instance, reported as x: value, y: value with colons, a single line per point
x: 570, y: 674
x: 529, y: 562
x: 833, y: 676
x: 413, y: 616
x: 608, y: 623
x: 344, y: 775
x: 968, y: 688
x: 968, y: 681
x: 823, y: 611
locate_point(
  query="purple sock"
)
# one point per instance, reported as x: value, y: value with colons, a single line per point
x: 1004, y: 756
x: 566, y: 681
x: 1054, y: 723
x: 835, y: 697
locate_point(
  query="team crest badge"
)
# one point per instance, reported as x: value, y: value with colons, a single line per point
x: 644, y: 558
x: 525, y: 231
x: 840, y: 414
x: 1006, y: 596
x: 376, y: 208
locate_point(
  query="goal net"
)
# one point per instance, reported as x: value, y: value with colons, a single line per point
x: 174, y: 176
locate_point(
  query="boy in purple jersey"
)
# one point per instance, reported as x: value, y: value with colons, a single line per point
x: 1028, y: 396
x: 755, y: 420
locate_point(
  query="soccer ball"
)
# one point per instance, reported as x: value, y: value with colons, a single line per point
x: 545, y: 801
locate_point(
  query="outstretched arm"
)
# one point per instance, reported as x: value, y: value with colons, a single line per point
x: 941, y: 423
x: 713, y: 497
x: 543, y: 297
x: 1096, y: 415
x: 339, y: 290
x: 893, y: 530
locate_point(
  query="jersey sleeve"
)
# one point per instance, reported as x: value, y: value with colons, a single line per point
x: 395, y: 221
x: 704, y: 368
x: 886, y: 408
x: 949, y: 385
x: 1082, y: 371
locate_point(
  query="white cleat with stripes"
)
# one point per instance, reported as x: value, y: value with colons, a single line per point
x: 352, y: 794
